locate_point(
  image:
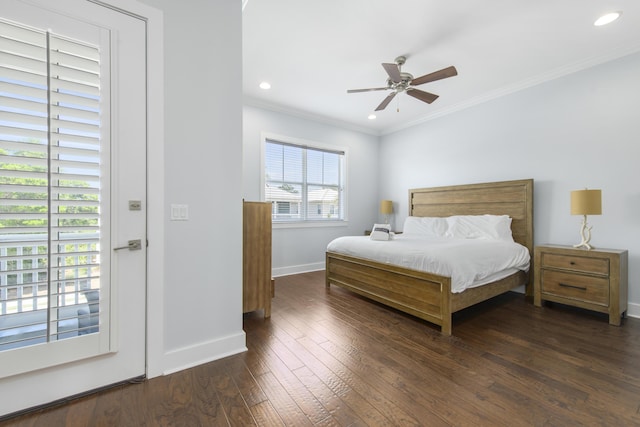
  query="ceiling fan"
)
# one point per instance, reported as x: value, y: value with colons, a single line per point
x: 399, y: 81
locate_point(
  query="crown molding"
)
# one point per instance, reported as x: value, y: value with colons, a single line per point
x: 489, y: 96
x: 254, y: 102
x: 518, y: 86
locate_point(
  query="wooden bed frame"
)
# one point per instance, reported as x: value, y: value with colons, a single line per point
x: 428, y: 296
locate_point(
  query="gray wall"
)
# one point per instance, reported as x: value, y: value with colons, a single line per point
x: 582, y: 130
x: 302, y: 249
x: 202, y: 295
x: 577, y: 131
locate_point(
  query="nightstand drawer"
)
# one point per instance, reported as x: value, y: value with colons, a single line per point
x: 576, y: 263
x: 576, y: 286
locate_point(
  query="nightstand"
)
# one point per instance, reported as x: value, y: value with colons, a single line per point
x: 593, y: 279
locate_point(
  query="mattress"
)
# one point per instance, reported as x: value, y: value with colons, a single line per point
x: 468, y: 262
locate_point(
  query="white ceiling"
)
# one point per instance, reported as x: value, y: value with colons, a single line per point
x: 312, y: 51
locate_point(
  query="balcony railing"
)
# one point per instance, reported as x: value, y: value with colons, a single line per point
x: 32, y: 310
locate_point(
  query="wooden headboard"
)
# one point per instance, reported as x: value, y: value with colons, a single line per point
x: 513, y: 198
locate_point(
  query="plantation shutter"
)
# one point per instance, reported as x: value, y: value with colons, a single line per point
x: 50, y: 183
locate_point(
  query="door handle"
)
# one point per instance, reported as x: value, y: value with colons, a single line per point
x: 132, y: 245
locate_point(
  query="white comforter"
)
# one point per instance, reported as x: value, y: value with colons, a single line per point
x: 469, y: 262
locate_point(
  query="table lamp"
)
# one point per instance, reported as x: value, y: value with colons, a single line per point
x: 586, y: 202
x: 386, y: 209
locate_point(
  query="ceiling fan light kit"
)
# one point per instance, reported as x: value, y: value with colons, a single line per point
x: 399, y: 81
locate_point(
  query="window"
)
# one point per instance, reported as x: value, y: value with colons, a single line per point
x: 303, y: 182
x: 50, y: 174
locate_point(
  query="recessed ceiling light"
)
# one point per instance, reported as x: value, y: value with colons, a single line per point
x: 371, y: 117
x: 265, y: 85
x: 607, y: 19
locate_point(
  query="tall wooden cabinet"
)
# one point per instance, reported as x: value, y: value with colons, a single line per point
x: 256, y: 257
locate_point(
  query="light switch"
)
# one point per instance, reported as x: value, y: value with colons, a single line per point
x: 179, y: 212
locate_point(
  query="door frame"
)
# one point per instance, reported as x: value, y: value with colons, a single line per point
x: 153, y: 355
x: 155, y: 177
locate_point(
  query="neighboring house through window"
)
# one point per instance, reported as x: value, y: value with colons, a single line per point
x: 303, y: 181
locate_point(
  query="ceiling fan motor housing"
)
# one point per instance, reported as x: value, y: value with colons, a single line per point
x: 402, y: 85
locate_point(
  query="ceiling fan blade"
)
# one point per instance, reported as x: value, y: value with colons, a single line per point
x: 393, y: 71
x: 366, y: 90
x: 436, y: 75
x: 422, y: 95
x: 386, y: 101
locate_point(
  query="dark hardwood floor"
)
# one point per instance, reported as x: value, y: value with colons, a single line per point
x: 335, y: 359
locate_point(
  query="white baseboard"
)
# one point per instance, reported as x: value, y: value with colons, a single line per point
x: 296, y: 269
x: 188, y: 357
x: 633, y: 310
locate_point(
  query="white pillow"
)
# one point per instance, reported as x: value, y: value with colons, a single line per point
x: 490, y: 227
x: 380, y: 232
x: 425, y: 226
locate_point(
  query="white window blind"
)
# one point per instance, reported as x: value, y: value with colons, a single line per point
x: 304, y: 183
x: 49, y: 187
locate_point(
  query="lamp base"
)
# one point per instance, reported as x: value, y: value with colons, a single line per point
x: 585, y: 245
x: 585, y: 234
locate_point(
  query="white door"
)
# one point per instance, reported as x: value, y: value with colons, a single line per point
x: 112, y: 347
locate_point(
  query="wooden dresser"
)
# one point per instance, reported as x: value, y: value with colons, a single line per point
x: 256, y: 257
x: 593, y: 279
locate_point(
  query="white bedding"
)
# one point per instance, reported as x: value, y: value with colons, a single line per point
x: 469, y: 262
